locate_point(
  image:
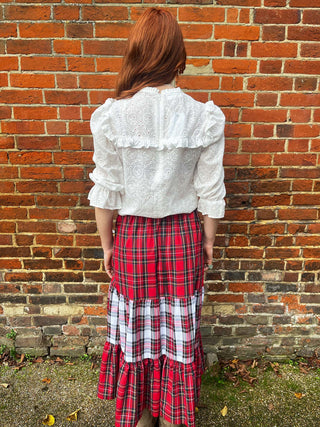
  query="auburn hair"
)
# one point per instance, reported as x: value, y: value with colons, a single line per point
x: 154, y: 55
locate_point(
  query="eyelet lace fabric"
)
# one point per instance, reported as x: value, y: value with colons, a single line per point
x: 158, y: 154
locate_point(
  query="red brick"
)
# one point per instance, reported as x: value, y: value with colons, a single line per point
x: 295, y: 159
x: 65, y: 97
x: 37, y: 142
x: 225, y: 99
x: 57, y: 200
x: 270, y: 67
x: 276, y: 16
x: 8, y: 63
x: 35, y: 113
x: 231, y: 66
x: 5, y: 112
x: 70, y: 113
x: 113, y: 30
x: 25, y: 13
x: 81, y: 128
x: 72, y: 158
x: 302, y: 67
x: 32, y: 80
x: 15, y: 213
x: 67, y: 13
x: 201, y: 14
x: 275, y: 3
x: 239, y: 2
x: 105, y: 47
x: 43, y: 30
x: 259, y: 115
x: 231, y: 83
x: 263, y: 131
x: 6, y: 142
x: 51, y: 213
x: 30, y: 158
x: 199, y: 82
x: 305, y: 83
x: 23, y: 127
x: 300, y: 99
x: 304, y: 33
x: 28, y: 46
x: 270, y: 83
x: 67, y: 81
x: 21, y: 96
x: 8, y: 30
x: 65, y: 47
x: 273, y: 32
x: 36, y: 63
x: 274, y: 50
x: 94, y: 81
x: 81, y: 64
x: 236, y: 32
x: 36, y: 187
x: 41, y: 173
x: 232, y: 15
x: 311, y: 17
x: 57, y: 127
x: 306, y: 131
x: 203, y: 48
x: 104, y: 13
x: 196, y: 31
x: 304, y: 3
x: 310, y: 50
x: 79, y: 30
x: 109, y: 64
x: 300, y: 116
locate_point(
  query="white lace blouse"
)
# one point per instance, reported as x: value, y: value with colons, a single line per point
x: 158, y: 154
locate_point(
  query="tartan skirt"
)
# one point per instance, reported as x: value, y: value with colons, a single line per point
x: 153, y: 355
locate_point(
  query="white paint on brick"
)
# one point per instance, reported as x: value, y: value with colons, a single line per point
x: 62, y: 310
x: 67, y: 226
x: 224, y: 309
x: 194, y: 71
x: 13, y: 310
x: 274, y: 276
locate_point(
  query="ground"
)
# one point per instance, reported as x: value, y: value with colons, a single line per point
x: 255, y: 393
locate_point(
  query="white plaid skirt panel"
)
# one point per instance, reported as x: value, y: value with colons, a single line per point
x: 148, y: 328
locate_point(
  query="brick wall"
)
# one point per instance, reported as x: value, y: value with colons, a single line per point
x: 259, y: 61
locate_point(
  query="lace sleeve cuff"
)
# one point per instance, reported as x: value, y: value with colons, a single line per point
x: 103, y: 198
x: 214, y: 209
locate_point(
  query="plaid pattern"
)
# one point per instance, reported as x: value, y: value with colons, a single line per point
x: 168, y: 388
x: 148, y: 328
x: 153, y: 356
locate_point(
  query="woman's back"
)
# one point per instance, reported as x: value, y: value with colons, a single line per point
x: 164, y: 151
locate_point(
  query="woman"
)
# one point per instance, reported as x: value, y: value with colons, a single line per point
x: 158, y: 156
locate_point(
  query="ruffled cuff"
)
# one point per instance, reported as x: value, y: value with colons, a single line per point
x: 101, y: 197
x: 214, y: 209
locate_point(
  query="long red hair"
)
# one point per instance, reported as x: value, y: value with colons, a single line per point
x: 154, y: 55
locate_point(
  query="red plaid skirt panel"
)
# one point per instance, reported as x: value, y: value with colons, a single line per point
x: 153, y: 356
x: 156, y: 257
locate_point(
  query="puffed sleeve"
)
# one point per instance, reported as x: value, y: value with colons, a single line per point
x: 209, y: 173
x: 107, y: 175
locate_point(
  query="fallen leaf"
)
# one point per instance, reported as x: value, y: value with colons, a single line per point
x: 5, y: 385
x: 270, y: 406
x: 48, y: 420
x: 71, y: 379
x: 73, y: 416
x: 299, y: 395
x: 21, y: 358
x: 46, y: 380
x: 197, y: 409
x: 224, y: 411
x: 69, y: 363
x: 38, y: 360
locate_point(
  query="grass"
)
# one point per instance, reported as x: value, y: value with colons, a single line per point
x: 270, y: 402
